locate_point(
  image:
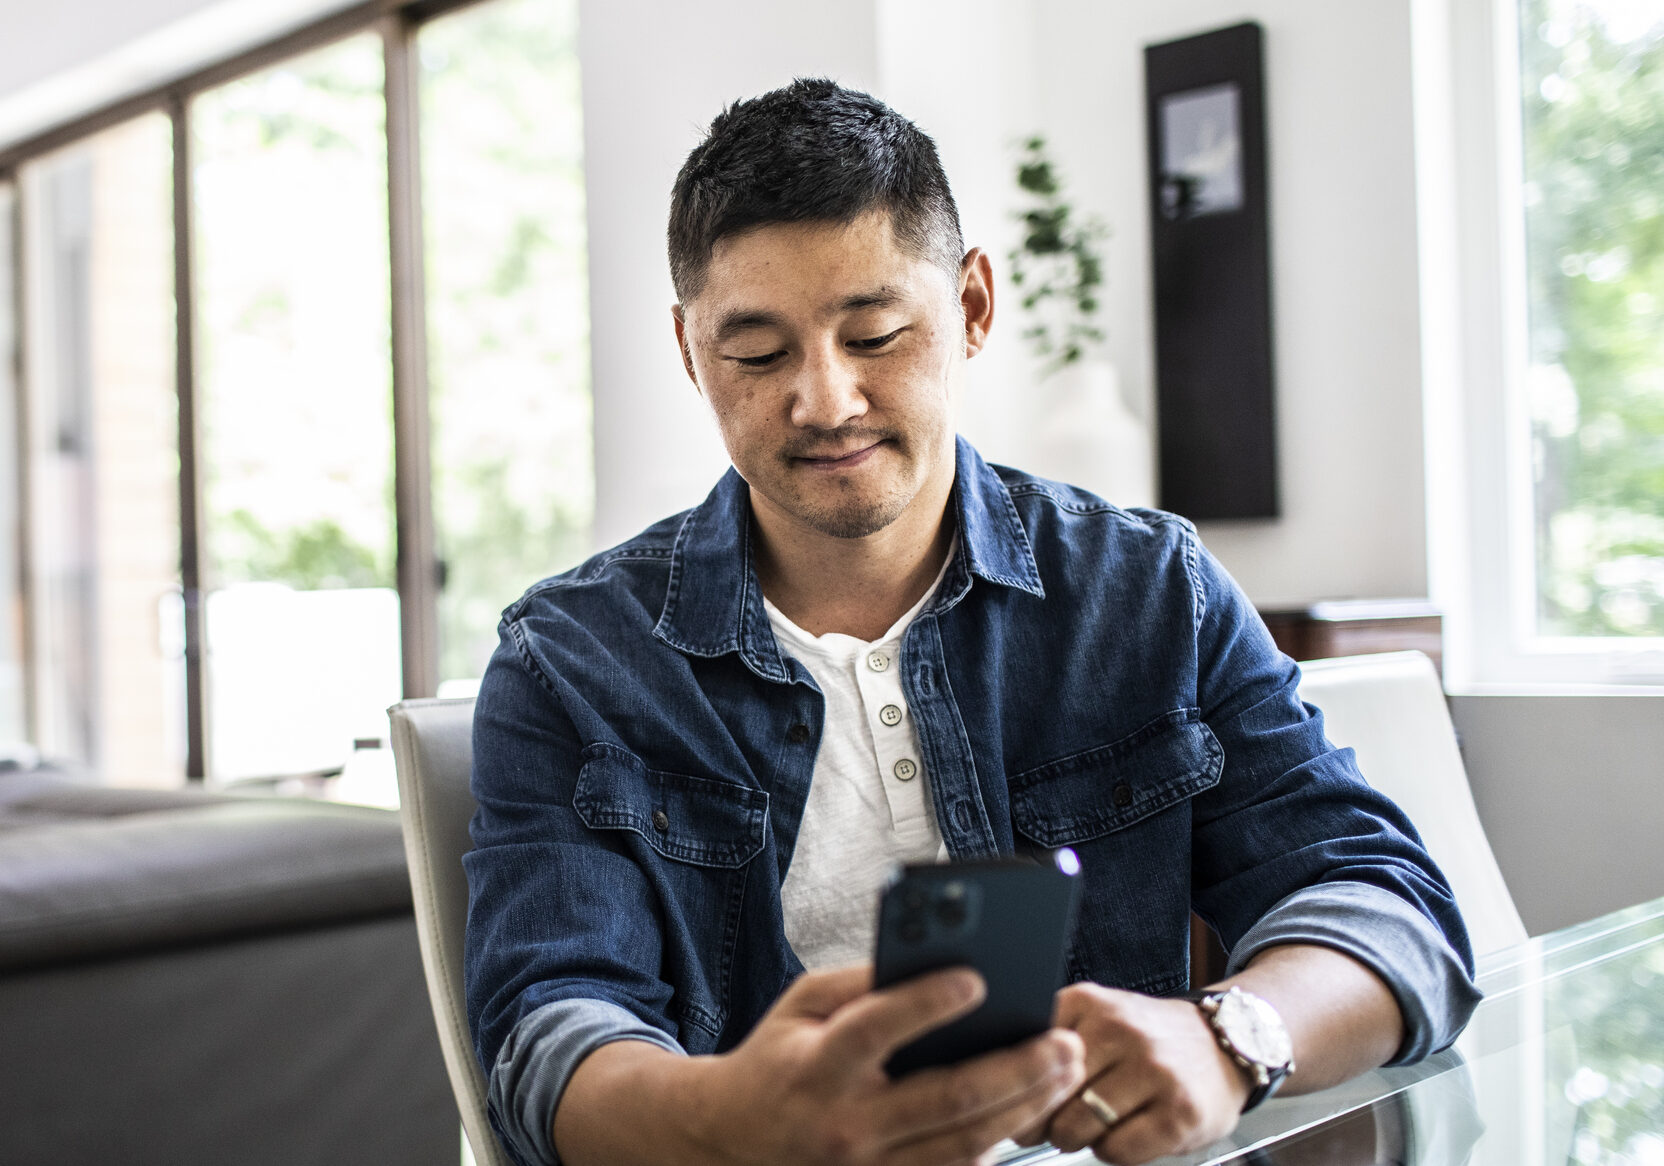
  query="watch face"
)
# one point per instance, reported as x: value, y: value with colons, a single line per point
x: 1255, y: 1029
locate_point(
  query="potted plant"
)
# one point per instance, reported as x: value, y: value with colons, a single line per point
x: 1082, y: 431
x: 1057, y: 267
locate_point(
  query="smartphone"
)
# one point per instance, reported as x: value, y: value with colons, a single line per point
x: 1009, y: 918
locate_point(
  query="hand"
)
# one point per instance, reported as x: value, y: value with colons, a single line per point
x: 1157, y: 1064
x: 808, y: 1084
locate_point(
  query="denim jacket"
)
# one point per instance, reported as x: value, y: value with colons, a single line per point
x: 1085, y: 676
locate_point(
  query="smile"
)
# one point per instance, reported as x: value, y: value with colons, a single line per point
x: 842, y: 462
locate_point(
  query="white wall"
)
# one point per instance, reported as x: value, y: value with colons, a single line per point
x: 1343, y: 238
x: 980, y: 79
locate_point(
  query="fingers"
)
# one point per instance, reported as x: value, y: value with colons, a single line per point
x: 817, y: 995
x: 1103, y: 1018
x: 1146, y: 1136
x: 1076, y: 1124
x: 877, y: 1024
x: 1156, y: 1066
x: 976, y: 1105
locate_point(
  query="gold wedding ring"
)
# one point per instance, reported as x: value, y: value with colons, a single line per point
x: 1101, y: 1109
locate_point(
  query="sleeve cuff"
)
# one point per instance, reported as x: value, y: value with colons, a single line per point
x: 1394, y: 940
x: 538, y: 1059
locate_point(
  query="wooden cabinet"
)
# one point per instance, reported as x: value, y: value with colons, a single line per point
x: 1358, y: 627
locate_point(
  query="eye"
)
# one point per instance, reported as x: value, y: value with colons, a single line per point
x: 874, y: 343
x: 757, y: 361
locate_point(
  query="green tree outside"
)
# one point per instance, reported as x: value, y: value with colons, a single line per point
x: 1593, y: 105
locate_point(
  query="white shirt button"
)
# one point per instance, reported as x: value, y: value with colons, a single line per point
x: 878, y: 661
x: 890, y: 714
x: 905, y: 770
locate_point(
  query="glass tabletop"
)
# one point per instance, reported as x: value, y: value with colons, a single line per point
x: 1562, y: 1063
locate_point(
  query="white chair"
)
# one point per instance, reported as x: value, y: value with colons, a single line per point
x: 1390, y: 709
x: 433, y: 750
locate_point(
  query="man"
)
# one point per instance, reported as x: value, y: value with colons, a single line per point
x: 697, y: 754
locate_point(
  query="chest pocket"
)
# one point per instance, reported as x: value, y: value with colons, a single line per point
x: 1090, y: 794
x: 1123, y: 808
x: 690, y: 819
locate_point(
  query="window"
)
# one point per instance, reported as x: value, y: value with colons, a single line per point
x: 217, y: 558
x: 1540, y: 151
x: 1592, y: 88
x: 102, y: 454
x: 508, y: 357
x: 14, y: 729
x: 289, y: 189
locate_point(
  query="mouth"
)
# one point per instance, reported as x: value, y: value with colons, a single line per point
x: 837, y: 461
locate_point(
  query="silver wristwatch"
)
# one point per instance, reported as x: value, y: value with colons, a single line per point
x: 1249, y: 1029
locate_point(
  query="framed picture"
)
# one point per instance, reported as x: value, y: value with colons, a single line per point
x: 1210, y: 245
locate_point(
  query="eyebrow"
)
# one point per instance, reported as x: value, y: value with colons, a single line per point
x: 737, y: 320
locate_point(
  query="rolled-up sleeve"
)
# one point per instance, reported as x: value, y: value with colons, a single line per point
x: 1294, y: 846
x: 1398, y: 943
x: 538, y: 1059
x: 563, y: 950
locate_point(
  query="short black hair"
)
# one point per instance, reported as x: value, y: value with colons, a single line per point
x: 811, y: 151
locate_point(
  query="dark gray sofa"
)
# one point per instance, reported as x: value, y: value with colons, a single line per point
x: 197, y: 978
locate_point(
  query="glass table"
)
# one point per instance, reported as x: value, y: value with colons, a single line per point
x: 1563, y: 1062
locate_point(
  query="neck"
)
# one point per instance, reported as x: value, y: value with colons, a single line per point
x: 858, y: 587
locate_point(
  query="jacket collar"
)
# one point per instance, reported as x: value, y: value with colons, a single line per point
x: 714, y: 604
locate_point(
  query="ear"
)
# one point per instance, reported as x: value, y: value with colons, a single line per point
x: 682, y: 343
x: 976, y: 299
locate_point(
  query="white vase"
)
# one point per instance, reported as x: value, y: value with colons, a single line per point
x: 1084, y: 434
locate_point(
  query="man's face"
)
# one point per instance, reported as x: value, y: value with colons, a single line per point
x: 833, y: 361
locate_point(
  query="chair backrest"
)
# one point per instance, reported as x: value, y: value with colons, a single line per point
x: 1390, y: 709
x: 433, y: 750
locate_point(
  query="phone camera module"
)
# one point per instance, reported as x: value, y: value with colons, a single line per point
x: 951, y: 907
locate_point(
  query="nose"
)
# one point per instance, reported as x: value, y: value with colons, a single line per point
x: 827, y: 390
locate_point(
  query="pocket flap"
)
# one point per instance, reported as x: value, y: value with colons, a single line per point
x: 691, y: 819
x: 1092, y: 793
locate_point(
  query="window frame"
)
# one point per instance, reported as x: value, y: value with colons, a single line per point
x: 418, y: 568
x: 1474, y: 315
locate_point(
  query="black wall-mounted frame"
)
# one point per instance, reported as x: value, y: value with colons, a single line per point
x: 1210, y: 244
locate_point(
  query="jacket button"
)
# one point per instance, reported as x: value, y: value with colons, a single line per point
x: 1123, y: 796
x: 661, y: 821
x: 797, y: 734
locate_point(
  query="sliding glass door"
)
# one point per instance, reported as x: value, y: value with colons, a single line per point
x: 289, y: 182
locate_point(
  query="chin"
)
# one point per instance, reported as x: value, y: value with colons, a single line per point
x: 853, y: 521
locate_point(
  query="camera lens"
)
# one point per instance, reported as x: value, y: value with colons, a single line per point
x: 950, y: 908
x: 911, y: 929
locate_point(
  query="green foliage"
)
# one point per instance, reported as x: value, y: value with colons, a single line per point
x: 1057, y: 266
x: 505, y: 546
x: 316, y: 556
x: 1594, y: 162
x: 507, y: 310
